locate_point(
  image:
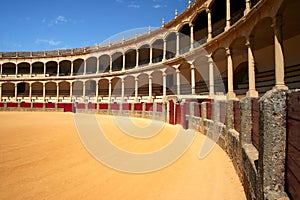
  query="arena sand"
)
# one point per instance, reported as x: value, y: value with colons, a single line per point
x: 42, y: 157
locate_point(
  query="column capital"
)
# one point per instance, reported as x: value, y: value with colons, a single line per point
x: 136, y: 79
x: 177, y: 70
x: 208, y: 10
x: 150, y: 77
x: 249, y: 41
x: 228, y: 51
x: 192, y: 66
x: 277, y: 21
x: 164, y: 74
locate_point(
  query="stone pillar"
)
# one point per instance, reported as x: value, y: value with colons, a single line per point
x: 247, y: 9
x: 124, y: 62
x: 44, y: 92
x: 0, y: 92
x: 45, y: 69
x: 251, y: 70
x: 272, y: 145
x: 30, y: 73
x: 211, y: 77
x: 97, y: 65
x: 97, y: 92
x: 137, y: 58
x: 192, y: 36
x: 72, y: 68
x: 83, y: 90
x: 164, y: 86
x: 110, y: 63
x: 193, y: 82
x: 71, y: 90
x: 178, y: 81
x: 109, y: 90
x: 177, y: 43
x: 123, y: 90
x: 209, y: 26
x: 136, y: 90
x: 58, y: 69
x: 279, y: 57
x: 228, y: 15
x: 151, y: 55
x: 84, y: 67
x: 1, y: 70
x: 150, y: 88
x: 16, y: 91
x: 231, y: 93
x: 57, y: 91
x: 165, y: 50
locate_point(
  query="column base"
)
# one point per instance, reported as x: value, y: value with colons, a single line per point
x: 231, y: 96
x: 252, y: 93
x: 281, y: 87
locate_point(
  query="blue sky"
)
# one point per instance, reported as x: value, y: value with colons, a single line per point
x: 36, y: 25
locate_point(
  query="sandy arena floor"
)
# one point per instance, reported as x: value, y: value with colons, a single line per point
x: 42, y: 157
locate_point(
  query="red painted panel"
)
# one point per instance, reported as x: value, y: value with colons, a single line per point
x: 178, y: 113
x: 12, y: 105
x: 61, y: 105
x: 1, y: 105
x: 103, y: 106
x: 115, y: 106
x: 50, y: 105
x: 68, y: 107
x: 149, y: 106
x: 159, y: 107
x: 126, y: 106
x: 197, y: 109
x: 209, y: 110
x: 187, y: 105
x: 92, y: 106
x: 81, y: 106
x: 38, y: 105
x: 138, y: 106
x: 25, y: 105
x: 171, y: 116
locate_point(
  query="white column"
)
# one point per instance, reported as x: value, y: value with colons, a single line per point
x: 251, y: 70
x: 137, y: 58
x: 151, y: 56
x: 209, y: 25
x: 123, y: 90
x: 178, y: 81
x: 57, y: 91
x: 58, y: 69
x: 136, y: 89
x: 110, y: 63
x: 279, y: 57
x: 84, y: 67
x: 16, y: 91
x: 177, y: 43
x: 83, y: 90
x: 0, y: 92
x: 228, y: 15
x: 164, y: 86
x: 30, y: 92
x: 0, y: 70
x: 17, y: 69
x: 231, y: 93
x: 109, y: 91
x: 193, y: 82
x: 192, y: 36
x: 124, y: 62
x: 150, y: 88
x: 247, y: 9
x: 44, y: 92
x: 97, y: 91
x: 165, y: 50
x: 30, y: 72
x: 71, y: 90
x: 211, y: 77
x: 97, y: 64
x: 72, y: 68
x: 45, y: 69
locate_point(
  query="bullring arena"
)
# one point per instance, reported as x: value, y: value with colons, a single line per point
x: 226, y: 71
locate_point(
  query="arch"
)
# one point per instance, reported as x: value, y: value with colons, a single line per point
x: 184, y: 38
x: 218, y: 16
x: 23, y: 89
x: 241, y: 76
x: 51, y: 68
x: 78, y: 88
x: 104, y: 63
x: 143, y: 89
x: 8, y: 89
x: 129, y: 86
x: 78, y: 66
x: 220, y: 70
x: 38, y: 68
x: 103, y: 88
x: 64, y: 89
x: 157, y: 50
x: 51, y: 89
x: 200, y: 23
x: 24, y: 68
x: 37, y: 89
x: 171, y: 45
x: 117, y: 61
x: 130, y: 59
x: 91, y: 65
x: 65, y: 68
x: 144, y: 55
x: 237, y: 9
x: 9, y: 68
x: 116, y: 84
x: 90, y: 88
x: 157, y: 83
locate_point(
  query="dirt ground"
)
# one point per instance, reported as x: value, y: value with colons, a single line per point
x: 42, y: 157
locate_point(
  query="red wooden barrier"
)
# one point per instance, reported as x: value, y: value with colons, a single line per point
x: 68, y: 107
x: 25, y: 105
x: 138, y: 106
x: 178, y: 114
x: 1, y: 105
x: 209, y: 110
x: 12, y: 105
x: 92, y: 106
x: 255, y: 123
x: 126, y: 106
x: 159, y: 107
x: 115, y: 106
x: 171, y: 116
x: 38, y: 105
x: 293, y: 146
x: 103, y: 106
x: 149, y: 106
x: 197, y: 109
x: 80, y: 106
x: 50, y: 105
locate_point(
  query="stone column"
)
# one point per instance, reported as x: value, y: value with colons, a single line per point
x: 123, y: 89
x: 109, y: 90
x: 16, y: 91
x: 0, y: 92
x: 45, y: 69
x: 72, y: 68
x: 178, y: 81
x: 251, y: 70
x: 0, y: 70
x: 150, y: 88
x: 177, y: 43
x: 136, y: 89
x: 110, y: 63
x: 124, y: 61
x: 30, y: 73
x: 209, y: 25
x: 97, y: 91
x: 57, y: 91
x: 83, y: 90
x: 137, y: 58
x: 17, y: 69
x: 58, y: 69
x: 247, y: 9
x: 71, y: 90
x: 192, y: 36
x: 165, y: 50
x: 44, y: 92
x: 84, y: 67
x: 193, y: 82
x: 164, y: 86
x: 231, y: 93
x: 97, y: 64
x: 211, y: 77
x: 151, y: 54
x: 228, y: 15
x: 279, y: 57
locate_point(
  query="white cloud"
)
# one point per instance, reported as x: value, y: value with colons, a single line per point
x: 157, y: 6
x: 58, y: 20
x: 49, y: 42
x: 134, y: 5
